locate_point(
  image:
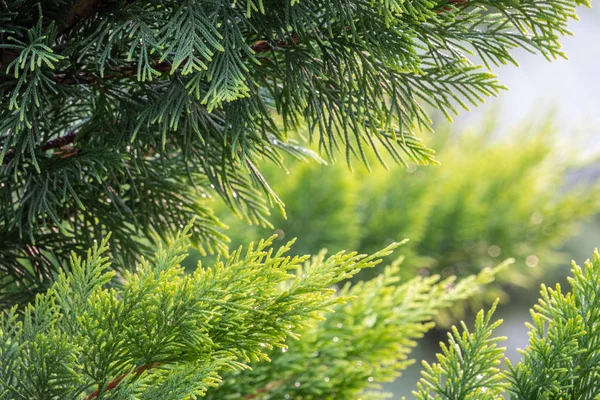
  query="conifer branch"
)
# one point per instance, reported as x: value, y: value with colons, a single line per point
x: 113, y: 384
x: 196, y: 325
x: 49, y: 145
x: 162, y: 67
x: 559, y: 362
x: 60, y: 141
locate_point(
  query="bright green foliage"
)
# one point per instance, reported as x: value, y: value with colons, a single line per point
x: 262, y: 324
x: 120, y: 115
x: 363, y: 343
x: 468, y: 366
x: 321, y: 205
x: 164, y: 334
x: 561, y: 361
x: 489, y: 201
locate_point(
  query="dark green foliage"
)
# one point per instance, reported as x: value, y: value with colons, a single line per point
x: 120, y: 115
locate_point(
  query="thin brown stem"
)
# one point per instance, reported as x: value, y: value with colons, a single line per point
x: 80, y: 10
x: 55, y: 143
x: 113, y: 384
x: 60, y: 141
x: 163, y: 67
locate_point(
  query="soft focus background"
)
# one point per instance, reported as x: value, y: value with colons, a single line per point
x: 520, y: 178
x: 568, y: 91
x: 566, y: 88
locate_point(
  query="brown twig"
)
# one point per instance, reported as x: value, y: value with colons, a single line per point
x: 80, y: 10
x: 113, y: 384
x: 139, y: 370
x: 60, y: 141
x: 454, y: 3
x: 55, y: 143
x: 163, y: 67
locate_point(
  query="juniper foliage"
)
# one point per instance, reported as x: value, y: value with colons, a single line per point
x: 364, y: 343
x: 560, y: 361
x: 266, y: 325
x: 120, y: 115
x: 169, y: 335
x: 164, y: 334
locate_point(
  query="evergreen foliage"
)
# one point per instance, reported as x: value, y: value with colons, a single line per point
x: 120, y: 115
x: 164, y: 334
x: 492, y: 199
x: 261, y: 327
x: 363, y: 343
x: 467, y: 367
x: 169, y: 335
x: 125, y: 116
x: 561, y: 360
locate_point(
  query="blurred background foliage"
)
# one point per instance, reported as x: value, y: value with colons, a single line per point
x: 497, y: 196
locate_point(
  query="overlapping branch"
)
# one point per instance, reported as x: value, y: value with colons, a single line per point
x: 163, y: 67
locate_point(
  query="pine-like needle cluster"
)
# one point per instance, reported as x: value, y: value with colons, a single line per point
x: 121, y: 115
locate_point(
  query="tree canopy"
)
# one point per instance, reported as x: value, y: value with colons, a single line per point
x: 121, y: 115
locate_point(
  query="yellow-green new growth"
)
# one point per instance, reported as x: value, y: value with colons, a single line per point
x: 365, y: 342
x: 561, y: 361
x: 164, y: 334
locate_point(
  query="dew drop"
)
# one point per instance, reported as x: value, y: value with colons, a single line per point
x: 532, y: 261
x: 494, y: 251
x: 537, y: 218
